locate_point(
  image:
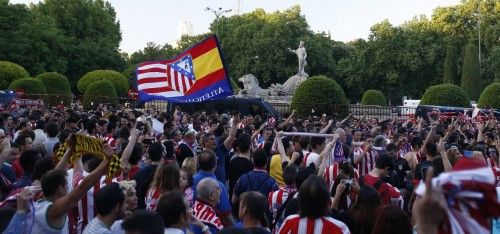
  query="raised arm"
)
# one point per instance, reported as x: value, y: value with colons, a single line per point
x: 419, y: 124
x: 446, y: 161
x: 256, y: 133
x: 347, y: 118
x: 127, y: 152
x: 326, y: 153
x: 287, y: 121
x: 5, y: 145
x: 64, y: 162
x: 281, y: 147
x: 62, y: 205
x: 228, y: 143
x: 360, y: 121
x: 429, y: 136
x: 328, y: 126
x: 480, y: 129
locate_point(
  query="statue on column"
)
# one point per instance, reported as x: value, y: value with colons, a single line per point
x: 302, y: 56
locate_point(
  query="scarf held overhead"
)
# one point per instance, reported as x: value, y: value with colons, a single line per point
x: 82, y: 145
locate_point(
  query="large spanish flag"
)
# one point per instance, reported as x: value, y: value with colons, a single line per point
x: 197, y: 74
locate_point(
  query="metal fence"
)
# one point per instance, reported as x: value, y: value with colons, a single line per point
x: 282, y: 107
x: 379, y: 112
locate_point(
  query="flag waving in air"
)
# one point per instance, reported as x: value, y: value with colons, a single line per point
x: 195, y: 75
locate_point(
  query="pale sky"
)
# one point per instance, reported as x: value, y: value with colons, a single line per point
x: 159, y: 21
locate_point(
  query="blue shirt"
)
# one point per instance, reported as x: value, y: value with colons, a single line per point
x: 8, y: 172
x: 23, y: 181
x: 256, y: 180
x: 224, y: 205
x: 222, y: 153
x: 17, y: 224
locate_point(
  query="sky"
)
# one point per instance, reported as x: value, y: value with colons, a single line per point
x: 159, y: 21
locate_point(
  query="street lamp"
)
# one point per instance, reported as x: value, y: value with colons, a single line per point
x: 217, y: 13
x: 479, y: 32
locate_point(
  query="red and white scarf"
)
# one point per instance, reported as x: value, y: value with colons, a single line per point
x: 152, y: 198
x: 471, y: 198
x: 207, y: 215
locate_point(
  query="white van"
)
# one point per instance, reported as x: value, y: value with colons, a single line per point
x: 409, y: 107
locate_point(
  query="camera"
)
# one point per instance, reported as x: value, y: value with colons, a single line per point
x: 147, y: 141
x: 348, y: 182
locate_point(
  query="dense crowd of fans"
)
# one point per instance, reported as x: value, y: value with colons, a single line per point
x: 210, y: 172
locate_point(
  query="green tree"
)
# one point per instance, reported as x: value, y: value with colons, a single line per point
x: 450, y: 66
x: 152, y: 52
x: 257, y: 43
x: 471, y: 79
x: 321, y: 95
x: 11, y: 18
x: 373, y: 97
x: 29, y: 85
x: 91, y: 31
x: 490, y: 97
x: 10, y: 72
x: 99, y: 92
x: 118, y: 81
x: 445, y: 95
x: 57, y: 87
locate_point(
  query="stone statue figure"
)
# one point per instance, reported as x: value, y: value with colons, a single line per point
x: 302, y: 56
x: 251, y: 86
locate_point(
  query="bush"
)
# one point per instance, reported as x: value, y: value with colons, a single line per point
x: 321, y: 94
x: 373, y: 97
x: 490, y: 97
x: 116, y: 79
x: 445, y: 95
x: 100, y: 92
x: 57, y: 87
x: 10, y: 72
x: 31, y: 86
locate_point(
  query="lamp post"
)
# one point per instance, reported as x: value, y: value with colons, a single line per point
x: 254, y: 58
x: 217, y: 13
x: 479, y: 31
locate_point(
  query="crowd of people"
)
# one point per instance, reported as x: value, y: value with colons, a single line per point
x: 122, y: 170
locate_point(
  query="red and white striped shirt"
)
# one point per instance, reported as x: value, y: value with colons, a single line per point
x: 110, y: 140
x: 278, y: 197
x: 152, y: 198
x: 367, y: 162
x: 324, y: 225
x: 86, y: 207
x: 332, y: 172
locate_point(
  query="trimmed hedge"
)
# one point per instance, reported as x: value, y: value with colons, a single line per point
x: 10, y: 72
x: 373, y: 97
x: 57, y: 87
x: 100, y: 92
x: 321, y: 94
x: 490, y: 97
x: 445, y: 95
x: 29, y: 85
x: 119, y: 82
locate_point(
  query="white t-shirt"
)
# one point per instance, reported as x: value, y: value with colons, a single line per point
x: 313, y: 158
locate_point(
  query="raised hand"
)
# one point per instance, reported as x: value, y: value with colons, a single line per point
x: 430, y: 210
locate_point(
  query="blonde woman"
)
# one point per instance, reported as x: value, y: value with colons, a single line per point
x: 128, y: 187
x: 190, y: 165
